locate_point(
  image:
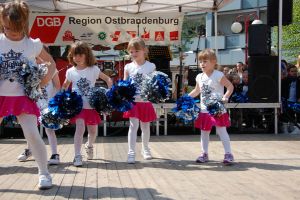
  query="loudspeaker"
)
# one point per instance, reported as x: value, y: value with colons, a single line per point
x: 259, y: 41
x: 287, y: 12
x: 192, y: 73
x: 263, y: 79
x: 55, y: 51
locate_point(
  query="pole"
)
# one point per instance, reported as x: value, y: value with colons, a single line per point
x: 246, y: 39
x: 216, y: 32
x: 179, y: 77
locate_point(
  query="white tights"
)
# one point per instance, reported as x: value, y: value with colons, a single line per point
x: 132, y: 134
x: 52, y: 140
x: 78, y: 137
x: 222, y: 132
x: 37, y: 145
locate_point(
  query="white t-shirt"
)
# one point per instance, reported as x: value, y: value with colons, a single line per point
x: 89, y: 75
x: 144, y: 69
x: 12, y: 51
x: 212, y: 83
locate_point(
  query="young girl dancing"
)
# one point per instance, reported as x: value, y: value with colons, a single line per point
x: 50, y: 90
x: 84, y: 72
x: 15, y: 44
x: 209, y: 82
x: 143, y: 111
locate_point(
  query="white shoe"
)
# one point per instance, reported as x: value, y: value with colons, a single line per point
x: 45, y: 182
x: 147, y: 155
x: 89, y: 151
x: 296, y: 131
x: 77, y: 161
x: 54, y: 159
x: 131, y: 159
x: 25, y: 155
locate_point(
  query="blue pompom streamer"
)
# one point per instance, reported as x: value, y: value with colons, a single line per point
x: 295, y: 106
x: 239, y: 98
x: 121, y: 95
x: 156, y: 87
x: 25, y: 72
x: 49, y: 120
x: 98, y: 100
x: 10, y: 120
x: 216, y: 108
x: 186, y: 108
x: 65, y: 104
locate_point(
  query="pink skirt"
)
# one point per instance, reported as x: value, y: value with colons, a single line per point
x: 205, y: 121
x: 17, y: 105
x: 90, y: 117
x: 143, y: 111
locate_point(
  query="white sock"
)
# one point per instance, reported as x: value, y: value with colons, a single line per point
x: 145, y: 127
x: 132, y: 134
x: 78, y: 137
x: 222, y: 132
x: 52, y: 140
x: 37, y: 145
x: 204, y: 140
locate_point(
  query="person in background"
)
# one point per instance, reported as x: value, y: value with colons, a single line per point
x: 49, y: 90
x: 290, y: 92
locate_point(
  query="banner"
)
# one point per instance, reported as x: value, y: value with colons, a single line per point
x: 59, y: 29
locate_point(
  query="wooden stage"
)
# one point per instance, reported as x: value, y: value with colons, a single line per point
x: 267, y: 167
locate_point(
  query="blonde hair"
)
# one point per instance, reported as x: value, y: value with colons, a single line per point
x: 207, y: 54
x: 17, y: 14
x: 79, y: 48
x: 138, y: 44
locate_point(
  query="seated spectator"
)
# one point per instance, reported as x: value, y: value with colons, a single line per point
x: 290, y: 92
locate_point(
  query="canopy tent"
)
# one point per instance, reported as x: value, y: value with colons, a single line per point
x: 127, y: 6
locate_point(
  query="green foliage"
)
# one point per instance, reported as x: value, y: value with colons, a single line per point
x: 190, y: 29
x: 290, y: 35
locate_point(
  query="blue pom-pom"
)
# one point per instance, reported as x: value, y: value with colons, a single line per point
x: 156, y: 87
x: 294, y: 106
x: 65, y: 104
x: 10, y: 120
x: 215, y: 109
x: 121, y: 95
x: 49, y: 120
x: 239, y: 98
x: 186, y: 108
x: 98, y: 100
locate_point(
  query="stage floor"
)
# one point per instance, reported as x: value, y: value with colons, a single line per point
x: 267, y: 167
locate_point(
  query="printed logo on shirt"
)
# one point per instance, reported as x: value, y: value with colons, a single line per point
x: 46, y: 28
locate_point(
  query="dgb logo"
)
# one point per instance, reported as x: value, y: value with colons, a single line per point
x: 48, y: 21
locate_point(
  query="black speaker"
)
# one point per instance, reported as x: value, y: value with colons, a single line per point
x: 287, y: 12
x: 259, y: 41
x: 263, y: 79
x: 55, y: 51
x: 192, y: 73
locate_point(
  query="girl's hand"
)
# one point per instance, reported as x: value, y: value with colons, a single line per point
x: 225, y: 99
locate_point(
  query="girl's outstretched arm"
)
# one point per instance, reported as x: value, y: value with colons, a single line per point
x: 47, y: 58
x: 65, y: 84
x: 226, y: 83
x: 195, y: 91
x: 56, y: 81
x: 106, y: 78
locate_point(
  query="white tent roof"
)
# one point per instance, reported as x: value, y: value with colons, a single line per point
x: 126, y: 6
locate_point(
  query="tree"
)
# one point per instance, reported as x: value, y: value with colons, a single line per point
x: 290, y: 35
